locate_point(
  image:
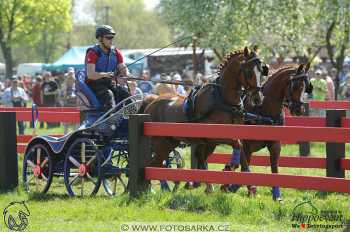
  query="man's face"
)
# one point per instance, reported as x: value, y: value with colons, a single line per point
x: 145, y: 76
x: 14, y: 84
x: 107, y: 40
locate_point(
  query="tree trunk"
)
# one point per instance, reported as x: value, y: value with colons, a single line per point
x: 7, y: 53
x: 194, y: 58
x: 217, y: 53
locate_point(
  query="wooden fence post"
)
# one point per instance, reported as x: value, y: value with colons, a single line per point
x: 139, y: 154
x: 8, y: 151
x: 194, y: 160
x: 334, y: 151
x: 304, y: 147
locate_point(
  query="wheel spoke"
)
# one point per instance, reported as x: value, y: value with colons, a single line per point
x: 29, y: 180
x: 90, y: 161
x: 121, y: 180
x: 114, y: 185
x: 74, y: 179
x: 82, y: 154
x: 91, y: 179
x: 82, y: 186
x: 44, y: 177
x: 44, y: 162
x: 30, y: 163
x: 37, y: 184
x: 74, y: 161
x: 38, y: 153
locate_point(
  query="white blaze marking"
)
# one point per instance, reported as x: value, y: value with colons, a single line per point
x: 302, y: 93
x: 258, y: 76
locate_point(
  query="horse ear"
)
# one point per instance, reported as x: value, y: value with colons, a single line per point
x: 307, y: 67
x: 246, y: 52
x: 300, y: 68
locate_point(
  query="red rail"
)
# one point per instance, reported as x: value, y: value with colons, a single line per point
x: 329, y: 184
x: 222, y: 131
x: 329, y: 104
x: 305, y: 121
x: 51, y: 109
x: 284, y: 161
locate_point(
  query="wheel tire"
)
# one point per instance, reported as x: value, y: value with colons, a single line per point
x: 40, y: 171
x: 82, y: 161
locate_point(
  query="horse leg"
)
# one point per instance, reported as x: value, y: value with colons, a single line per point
x: 245, y: 161
x: 275, y: 151
x: 161, y: 149
x: 202, y: 153
x: 236, y: 158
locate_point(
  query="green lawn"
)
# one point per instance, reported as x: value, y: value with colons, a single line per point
x: 57, y: 212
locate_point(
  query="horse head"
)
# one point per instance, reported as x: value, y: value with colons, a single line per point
x: 252, y: 73
x: 246, y: 68
x: 298, y: 85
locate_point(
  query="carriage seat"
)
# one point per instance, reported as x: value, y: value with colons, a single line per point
x: 85, y: 94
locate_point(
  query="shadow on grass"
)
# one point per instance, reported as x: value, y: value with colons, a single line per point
x: 47, y: 197
x: 347, y: 226
x: 57, y: 196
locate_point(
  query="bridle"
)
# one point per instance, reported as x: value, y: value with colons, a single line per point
x: 288, y: 99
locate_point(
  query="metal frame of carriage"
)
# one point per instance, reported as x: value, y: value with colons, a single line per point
x: 96, y: 153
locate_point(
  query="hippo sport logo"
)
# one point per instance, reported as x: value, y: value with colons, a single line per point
x: 306, y: 216
x: 16, y: 215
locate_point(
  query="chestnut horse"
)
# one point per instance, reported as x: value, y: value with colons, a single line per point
x: 218, y: 102
x: 285, y: 87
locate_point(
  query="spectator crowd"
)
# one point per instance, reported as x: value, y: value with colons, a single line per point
x: 58, y: 90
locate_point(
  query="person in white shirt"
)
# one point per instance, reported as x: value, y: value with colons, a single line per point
x: 179, y: 88
x: 15, y: 96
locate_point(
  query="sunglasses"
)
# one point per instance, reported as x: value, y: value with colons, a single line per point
x: 109, y: 37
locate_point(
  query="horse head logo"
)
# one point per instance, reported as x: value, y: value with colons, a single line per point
x: 81, y: 76
x: 16, y: 215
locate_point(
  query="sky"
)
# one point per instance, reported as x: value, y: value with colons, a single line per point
x: 82, y: 16
x: 150, y: 4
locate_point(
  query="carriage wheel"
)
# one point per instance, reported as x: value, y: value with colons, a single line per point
x: 37, y: 169
x: 82, y: 168
x: 175, y: 160
x: 115, y: 183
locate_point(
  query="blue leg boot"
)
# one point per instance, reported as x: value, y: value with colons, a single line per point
x: 164, y: 185
x: 276, y: 194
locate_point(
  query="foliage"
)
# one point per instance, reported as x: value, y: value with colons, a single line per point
x: 31, y: 22
x: 135, y: 26
x: 287, y: 27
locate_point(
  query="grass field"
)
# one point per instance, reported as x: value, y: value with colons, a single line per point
x: 55, y: 211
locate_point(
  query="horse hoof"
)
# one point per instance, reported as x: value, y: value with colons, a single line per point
x: 224, y: 188
x: 196, y: 184
x: 279, y: 199
x: 188, y: 185
x: 209, y: 189
x: 176, y: 187
x: 252, y: 191
x: 233, y: 188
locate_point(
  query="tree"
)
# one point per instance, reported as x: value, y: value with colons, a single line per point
x: 334, y: 18
x: 29, y: 21
x: 135, y: 26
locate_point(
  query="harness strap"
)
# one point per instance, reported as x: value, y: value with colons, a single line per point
x: 218, y: 104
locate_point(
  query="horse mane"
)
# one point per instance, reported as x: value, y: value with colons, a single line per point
x: 276, y: 73
x: 227, y: 60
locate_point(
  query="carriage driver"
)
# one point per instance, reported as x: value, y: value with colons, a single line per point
x: 102, y: 62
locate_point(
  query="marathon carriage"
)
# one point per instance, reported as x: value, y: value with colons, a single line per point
x: 94, y: 154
